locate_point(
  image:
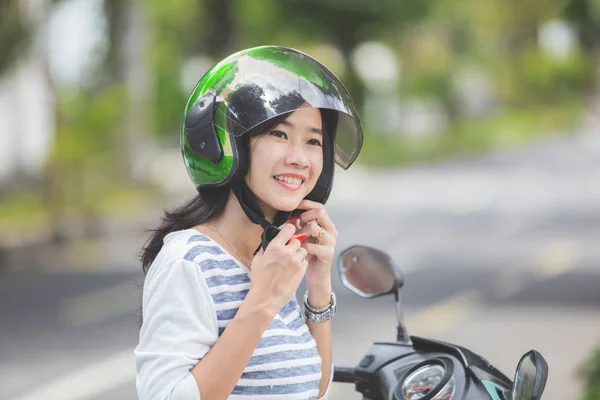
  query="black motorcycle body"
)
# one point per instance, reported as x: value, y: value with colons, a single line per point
x: 420, y: 368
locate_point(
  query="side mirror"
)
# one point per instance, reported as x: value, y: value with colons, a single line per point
x: 369, y: 272
x: 530, y: 377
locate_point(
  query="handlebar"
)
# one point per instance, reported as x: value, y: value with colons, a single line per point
x: 344, y: 374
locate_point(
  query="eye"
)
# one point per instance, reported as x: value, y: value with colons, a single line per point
x: 314, y: 142
x: 278, y: 134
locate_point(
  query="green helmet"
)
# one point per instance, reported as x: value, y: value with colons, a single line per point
x: 251, y: 87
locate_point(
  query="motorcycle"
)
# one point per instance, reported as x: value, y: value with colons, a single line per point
x: 415, y: 367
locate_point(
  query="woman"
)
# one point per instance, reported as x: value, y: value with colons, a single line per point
x: 261, y: 132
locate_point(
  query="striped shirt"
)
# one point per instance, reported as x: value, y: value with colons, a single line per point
x: 191, y: 293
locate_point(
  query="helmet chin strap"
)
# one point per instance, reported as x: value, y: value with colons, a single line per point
x: 249, y: 203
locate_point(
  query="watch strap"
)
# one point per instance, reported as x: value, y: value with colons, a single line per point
x: 318, y: 315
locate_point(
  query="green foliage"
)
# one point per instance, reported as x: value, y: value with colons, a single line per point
x: 20, y: 212
x: 433, y: 39
x: 553, y: 80
x: 87, y: 154
x: 259, y: 22
x: 89, y: 124
x: 174, y: 32
x: 595, y: 9
x: 590, y: 373
x: 506, y: 129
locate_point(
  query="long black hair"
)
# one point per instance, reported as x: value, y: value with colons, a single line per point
x: 208, y: 203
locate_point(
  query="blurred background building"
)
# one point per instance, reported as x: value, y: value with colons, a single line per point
x: 481, y: 119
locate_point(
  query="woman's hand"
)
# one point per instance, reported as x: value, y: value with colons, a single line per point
x: 321, y: 248
x: 277, y: 271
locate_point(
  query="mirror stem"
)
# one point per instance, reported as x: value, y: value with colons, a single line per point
x: 401, y: 334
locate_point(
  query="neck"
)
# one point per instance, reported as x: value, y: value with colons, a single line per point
x: 235, y: 226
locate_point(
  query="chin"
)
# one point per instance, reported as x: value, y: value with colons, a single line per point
x: 283, y: 204
x: 286, y: 206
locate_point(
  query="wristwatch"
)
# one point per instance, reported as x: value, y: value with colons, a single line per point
x: 322, y: 314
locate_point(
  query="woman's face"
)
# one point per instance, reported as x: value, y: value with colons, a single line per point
x: 286, y: 161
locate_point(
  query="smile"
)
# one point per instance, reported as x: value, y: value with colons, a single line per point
x: 289, y: 182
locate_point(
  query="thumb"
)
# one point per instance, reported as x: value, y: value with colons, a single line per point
x: 284, y: 234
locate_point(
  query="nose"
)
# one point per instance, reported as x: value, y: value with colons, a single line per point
x: 297, y: 156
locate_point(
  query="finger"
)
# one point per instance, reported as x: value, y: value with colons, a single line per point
x: 314, y: 229
x: 323, y: 253
x: 300, y: 254
x: 315, y: 236
x: 309, y: 205
x: 321, y: 235
x: 306, y: 230
x: 304, y: 266
x: 293, y: 245
x: 300, y: 236
x: 295, y: 221
x: 321, y: 216
x: 308, y: 216
x: 284, y: 235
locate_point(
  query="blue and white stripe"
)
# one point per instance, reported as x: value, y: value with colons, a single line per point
x: 285, y: 363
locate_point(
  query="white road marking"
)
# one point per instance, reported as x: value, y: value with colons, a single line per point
x: 88, y: 382
x: 438, y: 318
x: 554, y: 259
x: 102, y: 304
x: 557, y: 258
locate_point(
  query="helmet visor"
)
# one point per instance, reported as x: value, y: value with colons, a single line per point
x: 256, y: 85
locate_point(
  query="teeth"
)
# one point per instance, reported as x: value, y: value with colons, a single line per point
x: 289, y: 179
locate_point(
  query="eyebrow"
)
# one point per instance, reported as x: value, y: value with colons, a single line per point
x: 289, y: 124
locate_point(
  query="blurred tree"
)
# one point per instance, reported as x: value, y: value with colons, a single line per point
x: 150, y: 41
x: 585, y: 14
x: 116, y: 13
x: 14, y: 33
x: 347, y: 23
x: 175, y: 29
x: 499, y: 38
x: 216, y: 28
x: 92, y: 142
x: 17, y: 29
x: 83, y: 124
x: 219, y: 28
x: 126, y: 64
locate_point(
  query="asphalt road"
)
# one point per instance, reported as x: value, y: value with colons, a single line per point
x: 500, y: 255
